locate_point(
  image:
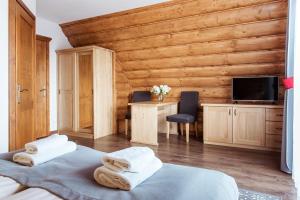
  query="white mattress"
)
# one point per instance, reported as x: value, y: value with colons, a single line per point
x: 11, y: 190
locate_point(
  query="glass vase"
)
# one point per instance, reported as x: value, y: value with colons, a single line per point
x: 161, y: 98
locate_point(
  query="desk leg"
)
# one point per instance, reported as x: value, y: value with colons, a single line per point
x: 162, y: 122
x: 144, y: 124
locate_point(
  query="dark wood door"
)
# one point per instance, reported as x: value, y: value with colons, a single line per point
x: 42, y: 86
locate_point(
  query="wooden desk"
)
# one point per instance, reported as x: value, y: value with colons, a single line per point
x: 149, y: 118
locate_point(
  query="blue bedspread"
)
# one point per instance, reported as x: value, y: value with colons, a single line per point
x: 71, y: 177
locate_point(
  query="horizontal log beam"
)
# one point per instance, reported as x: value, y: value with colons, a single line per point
x: 266, y: 11
x: 208, y: 60
x: 206, y: 48
x: 255, y: 29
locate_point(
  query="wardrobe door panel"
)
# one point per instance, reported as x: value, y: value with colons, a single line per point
x: 66, y: 91
x: 85, y: 78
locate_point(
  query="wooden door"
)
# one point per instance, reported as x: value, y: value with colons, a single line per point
x: 65, y: 70
x: 42, y: 86
x: 249, y: 126
x: 218, y: 124
x: 24, y: 78
x: 85, y: 78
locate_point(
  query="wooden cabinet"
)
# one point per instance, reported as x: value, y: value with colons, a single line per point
x: 244, y: 126
x: 85, y: 91
x: 218, y: 123
x: 249, y: 126
x: 274, y: 123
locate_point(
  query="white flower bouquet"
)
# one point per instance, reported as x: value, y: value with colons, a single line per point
x: 160, y: 91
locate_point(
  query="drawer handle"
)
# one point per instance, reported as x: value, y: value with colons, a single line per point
x: 279, y: 129
x: 279, y: 115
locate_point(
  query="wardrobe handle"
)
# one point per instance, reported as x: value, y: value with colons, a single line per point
x: 229, y: 112
x: 234, y: 112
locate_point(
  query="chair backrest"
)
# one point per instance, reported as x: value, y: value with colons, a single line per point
x: 139, y: 96
x: 189, y: 103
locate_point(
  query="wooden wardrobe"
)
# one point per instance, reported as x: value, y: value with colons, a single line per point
x: 85, y: 91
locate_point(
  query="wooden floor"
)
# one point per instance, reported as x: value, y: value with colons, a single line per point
x: 254, y: 170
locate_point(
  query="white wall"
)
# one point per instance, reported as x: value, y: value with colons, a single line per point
x: 296, y: 159
x: 31, y: 4
x: 4, y: 76
x: 59, y: 41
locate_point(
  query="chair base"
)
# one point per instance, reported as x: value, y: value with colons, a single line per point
x: 187, y: 130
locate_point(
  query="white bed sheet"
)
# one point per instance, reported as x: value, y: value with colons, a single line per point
x: 11, y: 190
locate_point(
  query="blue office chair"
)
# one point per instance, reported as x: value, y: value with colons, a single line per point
x: 188, y: 113
x: 137, y: 96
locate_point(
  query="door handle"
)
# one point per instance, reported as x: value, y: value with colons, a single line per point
x: 19, y: 91
x: 234, y: 112
x: 44, y: 90
x: 229, y: 111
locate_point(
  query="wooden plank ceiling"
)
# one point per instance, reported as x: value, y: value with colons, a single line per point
x: 189, y: 45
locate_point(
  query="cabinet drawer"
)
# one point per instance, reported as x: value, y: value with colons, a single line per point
x: 273, y: 141
x: 274, y: 114
x: 274, y: 128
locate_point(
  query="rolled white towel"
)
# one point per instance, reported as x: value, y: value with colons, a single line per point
x: 36, y: 159
x: 8, y: 187
x: 133, y: 159
x: 43, y: 145
x: 125, y: 180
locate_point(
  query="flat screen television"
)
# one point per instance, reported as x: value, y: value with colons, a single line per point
x: 255, y: 89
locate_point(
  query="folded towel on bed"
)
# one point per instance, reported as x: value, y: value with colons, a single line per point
x: 133, y: 159
x: 8, y: 187
x: 125, y: 180
x: 43, y: 145
x: 36, y: 159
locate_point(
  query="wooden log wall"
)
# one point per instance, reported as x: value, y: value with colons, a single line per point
x: 123, y: 91
x: 189, y: 45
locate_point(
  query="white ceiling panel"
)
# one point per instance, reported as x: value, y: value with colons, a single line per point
x: 61, y: 11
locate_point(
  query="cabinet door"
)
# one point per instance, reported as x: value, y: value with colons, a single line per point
x: 218, y: 124
x: 249, y: 126
x: 65, y: 91
x: 85, y: 81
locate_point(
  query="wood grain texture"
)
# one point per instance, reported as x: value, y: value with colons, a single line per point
x: 22, y: 99
x: 249, y: 126
x: 42, y: 86
x: 242, y: 125
x: 190, y: 45
x: 66, y: 92
x: 70, y: 62
x: 85, y: 81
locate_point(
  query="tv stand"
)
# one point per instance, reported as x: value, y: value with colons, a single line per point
x: 243, y: 125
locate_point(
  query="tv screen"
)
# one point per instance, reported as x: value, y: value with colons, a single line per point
x: 255, y: 88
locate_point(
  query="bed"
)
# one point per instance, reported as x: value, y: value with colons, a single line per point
x: 71, y: 177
